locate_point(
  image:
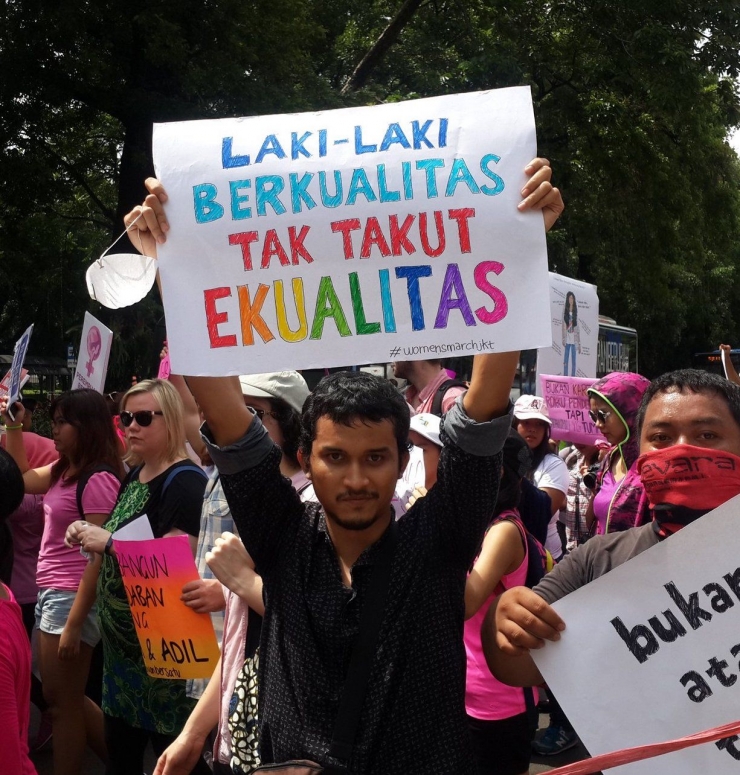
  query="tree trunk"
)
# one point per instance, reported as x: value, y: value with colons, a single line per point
x: 387, y: 38
x: 136, y: 166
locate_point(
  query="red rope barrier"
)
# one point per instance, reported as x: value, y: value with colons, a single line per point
x: 628, y: 755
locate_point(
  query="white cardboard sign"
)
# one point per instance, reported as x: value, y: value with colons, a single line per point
x: 94, y: 352
x: 575, y: 331
x: 355, y: 236
x: 5, y: 381
x: 651, y: 650
x: 16, y: 368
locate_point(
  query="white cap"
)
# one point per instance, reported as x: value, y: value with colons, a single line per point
x: 427, y: 425
x: 287, y: 385
x: 532, y: 408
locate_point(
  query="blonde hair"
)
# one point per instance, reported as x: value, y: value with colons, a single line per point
x: 173, y: 415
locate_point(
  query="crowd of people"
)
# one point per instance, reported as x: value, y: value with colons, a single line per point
x: 364, y: 626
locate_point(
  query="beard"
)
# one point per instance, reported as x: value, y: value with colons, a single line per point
x: 356, y: 524
x: 402, y: 369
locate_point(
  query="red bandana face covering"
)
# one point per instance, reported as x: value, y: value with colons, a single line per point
x: 682, y: 483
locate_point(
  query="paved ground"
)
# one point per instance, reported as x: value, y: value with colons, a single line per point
x: 43, y: 760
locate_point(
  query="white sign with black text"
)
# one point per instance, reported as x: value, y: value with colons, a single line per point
x: 651, y: 650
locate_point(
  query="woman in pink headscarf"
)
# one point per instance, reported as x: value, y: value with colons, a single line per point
x: 619, y: 500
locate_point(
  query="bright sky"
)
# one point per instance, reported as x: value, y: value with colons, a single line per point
x: 734, y: 140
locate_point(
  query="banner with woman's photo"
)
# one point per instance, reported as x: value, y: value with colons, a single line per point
x: 574, y: 317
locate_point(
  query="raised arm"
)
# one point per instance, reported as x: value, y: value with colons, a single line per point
x: 220, y: 398
x: 730, y: 369
x: 192, y: 415
x: 493, y: 376
x: 539, y: 193
x: 147, y: 223
x: 36, y: 481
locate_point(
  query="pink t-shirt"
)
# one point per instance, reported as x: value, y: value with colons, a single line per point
x: 15, y: 689
x: 425, y: 397
x: 486, y: 697
x: 40, y: 451
x: 27, y: 526
x: 602, y: 501
x: 59, y: 566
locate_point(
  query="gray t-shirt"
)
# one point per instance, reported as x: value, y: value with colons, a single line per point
x: 593, y: 559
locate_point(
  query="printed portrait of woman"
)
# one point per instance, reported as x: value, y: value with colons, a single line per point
x: 571, y: 335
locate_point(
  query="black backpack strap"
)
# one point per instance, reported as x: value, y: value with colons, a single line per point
x: 179, y: 470
x: 439, y: 395
x: 85, y: 478
x: 363, y: 653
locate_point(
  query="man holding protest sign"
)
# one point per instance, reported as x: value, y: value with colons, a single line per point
x: 685, y: 416
x: 317, y: 561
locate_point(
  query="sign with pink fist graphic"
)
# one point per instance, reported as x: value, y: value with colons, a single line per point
x: 92, y: 363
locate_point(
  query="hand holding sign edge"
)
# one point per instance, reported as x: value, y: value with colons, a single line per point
x: 517, y: 622
x: 540, y: 194
x: 150, y: 228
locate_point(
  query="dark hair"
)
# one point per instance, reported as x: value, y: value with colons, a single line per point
x: 289, y: 422
x: 542, y: 449
x: 568, y: 316
x: 517, y: 460
x: 11, y: 496
x: 348, y: 396
x: 691, y: 381
x: 509, y: 491
x: 97, y: 443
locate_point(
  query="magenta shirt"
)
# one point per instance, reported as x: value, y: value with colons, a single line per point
x: 59, y: 566
x: 15, y: 689
x: 603, y: 500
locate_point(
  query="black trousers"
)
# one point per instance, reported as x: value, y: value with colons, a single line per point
x: 127, y: 744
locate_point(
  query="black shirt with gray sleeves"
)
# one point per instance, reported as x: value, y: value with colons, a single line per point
x: 413, y: 720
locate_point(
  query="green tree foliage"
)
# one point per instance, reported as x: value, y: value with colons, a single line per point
x: 633, y: 102
x: 82, y: 85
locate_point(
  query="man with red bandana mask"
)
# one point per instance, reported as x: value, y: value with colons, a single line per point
x: 689, y: 430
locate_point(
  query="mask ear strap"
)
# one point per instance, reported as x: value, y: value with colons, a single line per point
x: 124, y: 232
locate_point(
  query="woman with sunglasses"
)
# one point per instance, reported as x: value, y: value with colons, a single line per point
x: 83, y: 482
x: 619, y: 500
x: 165, y: 485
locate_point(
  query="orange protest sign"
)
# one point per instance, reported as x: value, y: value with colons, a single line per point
x: 175, y: 641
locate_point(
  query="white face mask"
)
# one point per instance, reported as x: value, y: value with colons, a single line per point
x: 122, y: 279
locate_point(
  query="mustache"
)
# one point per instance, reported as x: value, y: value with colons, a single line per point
x: 359, y: 495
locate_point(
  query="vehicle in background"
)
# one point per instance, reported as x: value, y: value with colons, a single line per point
x: 712, y: 361
x: 617, y: 348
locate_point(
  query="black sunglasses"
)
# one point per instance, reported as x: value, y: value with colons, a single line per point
x: 599, y: 415
x: 143, y: 417
x: 261, y: 412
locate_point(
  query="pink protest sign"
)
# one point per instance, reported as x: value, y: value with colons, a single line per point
x: 175, y: 641
x: 567, y: 401
x: 164, y: 368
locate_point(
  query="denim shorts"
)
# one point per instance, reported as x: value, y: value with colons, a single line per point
x: 52, y: 610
